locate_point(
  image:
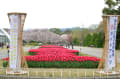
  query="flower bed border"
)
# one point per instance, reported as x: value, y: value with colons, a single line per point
x: 59, y: 64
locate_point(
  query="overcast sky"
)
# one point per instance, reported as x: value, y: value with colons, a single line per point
x: 53, y: 13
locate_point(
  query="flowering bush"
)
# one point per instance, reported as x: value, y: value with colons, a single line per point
x: 58, y: 58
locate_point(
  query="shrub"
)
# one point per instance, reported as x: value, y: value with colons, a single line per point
x: 31, y: 53
x: 59, y: 64
x: 77, y: 53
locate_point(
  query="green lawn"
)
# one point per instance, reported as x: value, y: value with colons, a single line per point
x: 82, y: 54
x: 26, y: 53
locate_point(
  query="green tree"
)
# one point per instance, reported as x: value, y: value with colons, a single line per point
x: 111, y: 7
x: 56, y: 30
x: 79, y: 33
x: 96, y: 39
x: 112, y: 11
x: 76, y: 41
x: 110, y: 3
x: 118, y: 37
x: 93, y: 39
x: 87, y: 40
x: 68, y: 31
x: 99, y: 40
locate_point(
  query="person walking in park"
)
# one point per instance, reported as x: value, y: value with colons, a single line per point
x: 8, y: 50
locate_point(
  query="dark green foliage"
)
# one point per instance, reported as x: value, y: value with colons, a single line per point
x: 111, y: 10
x: 59, y: 64
x: 67, y: 31
x: 32, y: 41
x: 97, y: 39
x: 77, y: 53
x: 31, y: 53
x: 5, y: 63
x: 56, y: 30
x: 118, y: 37
x: 24, y: 41
x: 87, y: 40
x: 76, y: 41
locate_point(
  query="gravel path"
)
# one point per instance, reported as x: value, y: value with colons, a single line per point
x: 3, y: 54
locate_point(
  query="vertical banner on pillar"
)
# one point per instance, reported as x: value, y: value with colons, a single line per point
x: 13, y: 40
x: 112, y: 38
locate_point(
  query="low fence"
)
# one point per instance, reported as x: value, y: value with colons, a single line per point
x: 65, y: 74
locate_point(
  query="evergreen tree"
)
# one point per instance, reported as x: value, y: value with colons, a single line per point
x: 110, y: 10
x: 87, y: 40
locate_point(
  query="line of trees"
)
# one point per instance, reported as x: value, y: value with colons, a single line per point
x: 96, y: 39
x: 96, y: 36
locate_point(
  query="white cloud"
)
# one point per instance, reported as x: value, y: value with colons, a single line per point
x: 53, y: 13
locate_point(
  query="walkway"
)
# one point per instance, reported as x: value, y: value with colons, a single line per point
x: 97, y: 52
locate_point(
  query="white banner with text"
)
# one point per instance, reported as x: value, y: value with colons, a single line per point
x: 13, y: 40
x: 112, y: 27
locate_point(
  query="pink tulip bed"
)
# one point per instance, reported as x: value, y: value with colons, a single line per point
x: 52, y: 56
x: 52, y: 49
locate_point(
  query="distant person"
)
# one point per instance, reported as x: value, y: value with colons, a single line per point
x: 2, y: 45
x: 8, y: 49
x: 72, y: 45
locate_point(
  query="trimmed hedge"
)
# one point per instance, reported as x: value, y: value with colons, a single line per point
x: 59, y: 64
x: 5, y: 63
x: 77, y: 53
x: 31, y: 53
